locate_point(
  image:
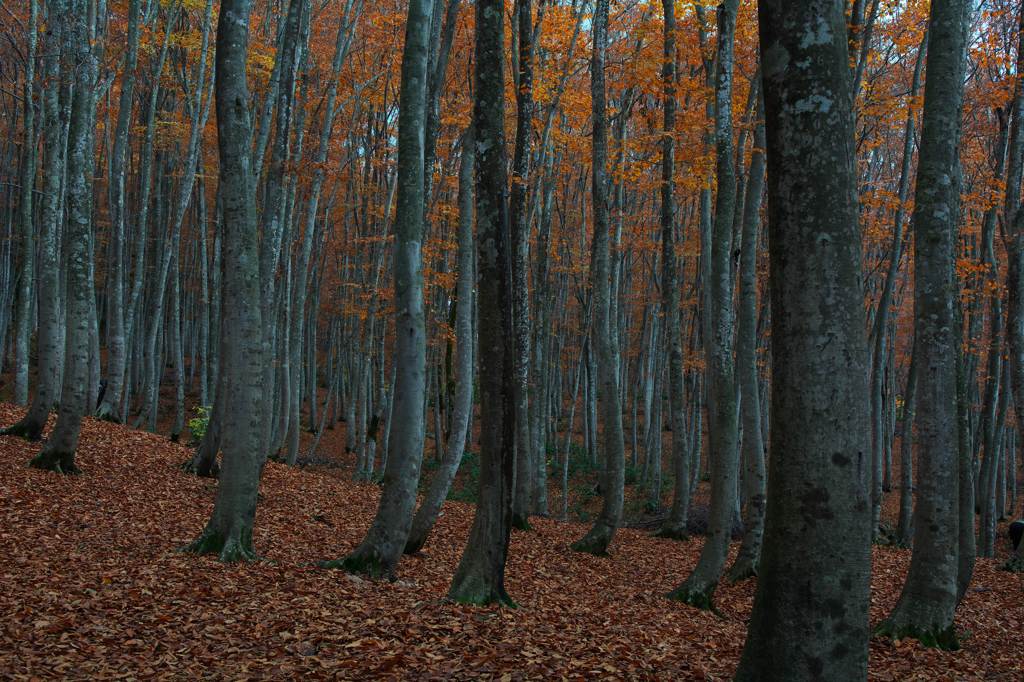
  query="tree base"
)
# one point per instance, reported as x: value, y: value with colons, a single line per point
x: 233, y: 548
x: 475, y: 591
x: 361, y: 561
x: 52, y: 460
x: 932, y: 636
x: 107, y: 413
x: 414, y: 545
x: 190, y: 466
x: 1014, y: 564
x: 671, y: 531
x: 744, y: 568
x: 521, y: 521
x: 699, y: 597
x: 596, y: 541
x: 24, y: 429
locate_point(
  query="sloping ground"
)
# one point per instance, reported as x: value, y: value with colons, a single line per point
x: 92, y: 587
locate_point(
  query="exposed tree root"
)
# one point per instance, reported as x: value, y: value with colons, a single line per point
x: 596, y: 541
x: 672, y: 531
x: 235, y: 547
x: 53, y: 460
x: 932, y: 636
x: 362, y: 561
x: 696, y: 596
x: 477, y: 591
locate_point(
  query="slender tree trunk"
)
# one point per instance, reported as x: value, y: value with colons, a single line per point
x: 26, y: 293
x: 698, y: 588
x: 520, y: 223
x: 480, y: 576
x: 429, y: 510
x: 675, y: 525
x: 746, y: 361
x: 228, y: 533
x: 379, y: 552
x: 929, y: 597
x: 596, y: 540
x: 905, y: 526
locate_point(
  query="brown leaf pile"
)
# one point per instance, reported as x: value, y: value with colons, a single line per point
x: 92, y: 587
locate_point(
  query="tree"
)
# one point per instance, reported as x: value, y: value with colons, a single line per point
x: 380, y: 550
x: 426, y: 515
x: 58, y: 453
x: 929, y: 597
x: 810, y: 616
x: 675, y: 526
x: 480, y: 576
x: 600, y: 535
x: 228, y: 533
x: 723, y: 427
x: 746, y: 368
x: 49, y: 338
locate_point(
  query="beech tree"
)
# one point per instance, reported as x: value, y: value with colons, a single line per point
x: 228, y: 533
x: 810, y: 617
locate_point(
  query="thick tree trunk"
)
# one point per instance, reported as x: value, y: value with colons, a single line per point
x: 810, y: 616
x: 58, y: 454
x: 49, y: 339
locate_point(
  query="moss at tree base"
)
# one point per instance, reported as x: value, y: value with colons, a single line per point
x: 476, y: 591
x: 234, y: 548
x: 24, y: 429
x: 595, y: 542
x: 700, y: 598
x: 53, y: 460
x: 672, y: 532
x: 361, y: 562
x: 932, y: 636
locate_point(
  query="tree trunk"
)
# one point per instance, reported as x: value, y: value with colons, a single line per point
x: 480, y: 576
x: 429, y: 510
x: 698, y: 588
x: 810, y: 616
x: 596, y: 540
x: 746, y: 361
x: 49, y: 340
x: 228, y: 533
x: 379, y: 552
x: 58, y: 454
x: 926, y: 605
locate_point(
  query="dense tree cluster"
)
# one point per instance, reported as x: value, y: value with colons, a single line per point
x: 784, y: 239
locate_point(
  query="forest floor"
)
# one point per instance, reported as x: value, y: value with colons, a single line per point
x: 93, y: 587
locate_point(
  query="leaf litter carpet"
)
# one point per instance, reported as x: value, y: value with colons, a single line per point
x: 93, y: 587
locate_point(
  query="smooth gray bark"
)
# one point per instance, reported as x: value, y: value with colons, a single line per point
x: 810, y: 616
x: 228, y: 533
x: 379, y: 552
x: 929, y: 597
